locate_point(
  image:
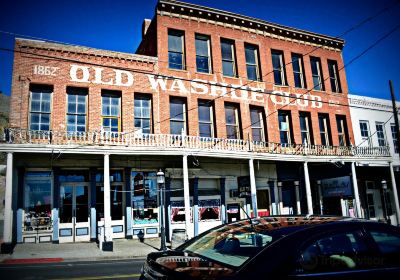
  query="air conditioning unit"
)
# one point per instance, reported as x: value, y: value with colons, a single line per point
x: 233, y: 193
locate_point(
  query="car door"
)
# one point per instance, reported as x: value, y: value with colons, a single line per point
x: 336, y: 254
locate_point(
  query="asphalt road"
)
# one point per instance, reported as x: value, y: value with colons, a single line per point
x: 105, y: 269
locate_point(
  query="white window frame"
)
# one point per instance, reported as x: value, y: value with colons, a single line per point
x: 301, y: 72
x: 254, y: 48
x: 232, y: 45
x: 325, y: 131
x: 261, y: 122
x: 211, y: 110
x: 208, y: 39
x: 281, y: 68
x: 174, y: 119
x: 237, y: 123
x: 319, y: 74
x: 83, y: 93
x: 363, y: 138
x: 308, y: 129
x: 383, y: 131
x: 335, y: 78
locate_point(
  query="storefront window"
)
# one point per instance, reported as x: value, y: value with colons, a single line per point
x: 116, y: 190
x: 144, y: 197
x: 209, y: 209
x: 178, y: 212
x: 38, y: 201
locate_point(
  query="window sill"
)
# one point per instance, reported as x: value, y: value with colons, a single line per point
x: 178, y: 70
x: 202, y: 73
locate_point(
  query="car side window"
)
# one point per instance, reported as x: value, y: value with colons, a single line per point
x: 388, y: 244
x: 333, y: 252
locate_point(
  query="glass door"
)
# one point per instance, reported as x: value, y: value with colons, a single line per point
x: 74, y: 213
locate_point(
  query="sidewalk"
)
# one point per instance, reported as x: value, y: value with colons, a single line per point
x: 48, y: 252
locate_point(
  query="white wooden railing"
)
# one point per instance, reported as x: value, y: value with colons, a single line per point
x: 130, y: 139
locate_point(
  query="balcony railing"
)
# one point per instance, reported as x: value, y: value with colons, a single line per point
x: 131, y: 139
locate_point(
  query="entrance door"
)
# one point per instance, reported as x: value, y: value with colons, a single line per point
x: 332, y: 206
x: 74, y: 213
x: 374, y: 204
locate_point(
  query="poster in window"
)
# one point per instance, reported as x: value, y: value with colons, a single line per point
x: 209, y: 209
x: 144, y: 198
x: 178, y: 212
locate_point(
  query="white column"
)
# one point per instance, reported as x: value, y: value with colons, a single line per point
x: 355, y: 186
x: 186, y: 194
x: 107, y: 205
x: 276, y: 196
x: 7, y: 231
x: 253, y: 189
x: 308, y: 189
x: 281, y: 198
x: 320, y: 197
x: 394, y: 189
x: 297, y: 191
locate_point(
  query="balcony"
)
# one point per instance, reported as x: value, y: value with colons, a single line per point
x: 168, y: 141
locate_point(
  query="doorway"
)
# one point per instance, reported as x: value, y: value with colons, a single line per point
x: 374, y: 204
x: 74, y: 212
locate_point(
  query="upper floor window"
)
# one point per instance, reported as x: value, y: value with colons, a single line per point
x: 111, y: 110
x: 203, y: 53
x: 40, y: 107
x: 285, y: 132
x: 76, y: 110
x: 316, y: 70
x: 298, y: 70
x: 206, y: 118
x: 252, y: 64
x: 342, y: 130
x: 228, y: 58
x: 278, y: 64
x: 142, y: 112
x: 232, y: 121
x: 177, y: 113
x: 380, y: 133
x: 365, y: 135
x: 305, y: 128
x: 324, y: 129
x: 257, y: 123
x: 334, y: 76
x: 394, y: 137
x: 176, y: 49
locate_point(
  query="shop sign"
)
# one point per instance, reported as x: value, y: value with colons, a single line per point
x: 337, y: 187
x: 244, y: 186
x: 85, y: 74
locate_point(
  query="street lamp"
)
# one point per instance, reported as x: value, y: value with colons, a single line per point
x: 160, y: 182
x: 384, y: 187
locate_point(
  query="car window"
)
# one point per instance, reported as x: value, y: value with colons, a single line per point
x: 388, y: 244
x: 332, y: 253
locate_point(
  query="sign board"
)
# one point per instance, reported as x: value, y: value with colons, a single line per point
x: 244, y: 186
x: 337, y: 187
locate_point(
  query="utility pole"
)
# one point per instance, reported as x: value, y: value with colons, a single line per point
x: 395, y: 113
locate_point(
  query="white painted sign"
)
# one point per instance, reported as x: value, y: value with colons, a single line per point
x: 44, y: 70
x: 83, y: 74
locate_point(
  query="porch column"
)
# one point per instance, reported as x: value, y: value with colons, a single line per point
x: 107, y: 246
x: 253, y: 189
x: 280, y: 196
x: 196, y: 206
x: 186, y: 194
x: 167, y: 209
x: 396, y: 197
x: 93, y: 198
x: 355, y: 186
x: 223, y: 200
x: 320, y: 197
x: 308, y: 189
x: 6, y: 247
x: 56, y: 202
x: 128, y: 204
x: 20, y: 205
x: 276, y: 199
x: 297, y: 190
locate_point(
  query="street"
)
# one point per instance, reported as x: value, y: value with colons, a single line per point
x: 112, y: 269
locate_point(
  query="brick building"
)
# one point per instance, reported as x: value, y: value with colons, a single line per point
x: 242, y: 115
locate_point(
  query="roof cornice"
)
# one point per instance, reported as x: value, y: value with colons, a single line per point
x: 183, y: 8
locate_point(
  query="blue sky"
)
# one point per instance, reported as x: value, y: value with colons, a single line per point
x: 116, y: 25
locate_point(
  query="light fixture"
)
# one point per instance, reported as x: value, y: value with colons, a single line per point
x: 160, y: 177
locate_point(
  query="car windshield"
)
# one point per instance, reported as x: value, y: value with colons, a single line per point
x: 234, y: 244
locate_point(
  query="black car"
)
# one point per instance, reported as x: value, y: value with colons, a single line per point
x: 315, y: 247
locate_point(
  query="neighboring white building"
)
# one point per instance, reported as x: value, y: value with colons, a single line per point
x: 373, y: 125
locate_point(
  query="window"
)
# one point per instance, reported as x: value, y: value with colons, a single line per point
x: 333, y: 253
x: 176, y: 54
x: 380, y: 133
x: 206, y: 118
x: 142, y: 112
x: 334, y: 76
x: 298, y: 70
x: 364, y: 129
x: 38, y: 201
x: 177, y: 107
x: 278, y: 65
x: 76, y: 110
x: 144, y: 197
x: 203, y: 57
x: 232, y: 121
x: 252, y: 64
x: 394, y: 137
x: 342, y: 130
x: 40, y: 107
x: 228, y: 58
x: 324, y: 129
x: 388, y: 243
x: 116, y: 191
x: 257, y: 123
x: 284, y: 119
x: 111, y: 110
x: 305, y: 128
x: 316, y: 71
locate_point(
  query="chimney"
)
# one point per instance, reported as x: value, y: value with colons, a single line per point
x: 145, y: 26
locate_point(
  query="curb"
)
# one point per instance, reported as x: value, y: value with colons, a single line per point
x: 32, y: 261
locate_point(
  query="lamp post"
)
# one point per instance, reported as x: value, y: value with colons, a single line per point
x: 160, y: 182
x: 384, y: 187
